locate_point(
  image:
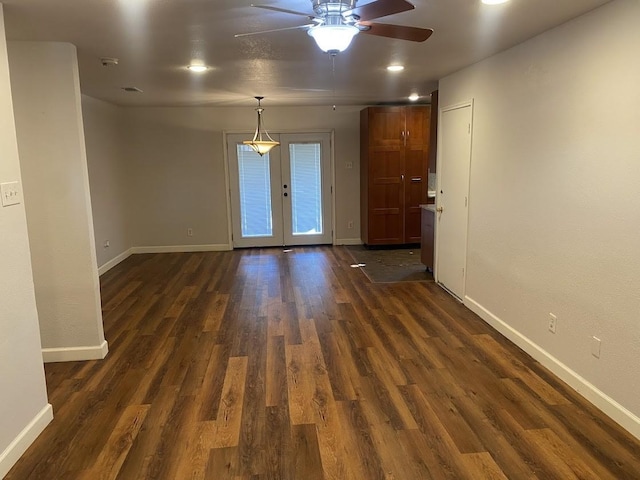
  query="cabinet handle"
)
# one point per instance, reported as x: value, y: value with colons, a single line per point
x: 416, y: 179
x: 402, y: 177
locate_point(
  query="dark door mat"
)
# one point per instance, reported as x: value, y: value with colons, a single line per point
x: 390, y: 265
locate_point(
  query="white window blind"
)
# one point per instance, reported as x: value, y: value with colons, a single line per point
x: 306, y: 188
x: 255, y: 193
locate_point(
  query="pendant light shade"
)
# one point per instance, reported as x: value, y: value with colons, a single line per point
x: 262, y: 141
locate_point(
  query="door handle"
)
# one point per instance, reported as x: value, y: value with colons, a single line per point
x: 440, y: 209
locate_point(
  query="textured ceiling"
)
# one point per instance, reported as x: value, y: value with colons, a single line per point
x: 155, y: 39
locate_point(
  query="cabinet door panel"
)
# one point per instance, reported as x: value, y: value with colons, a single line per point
x: 415, y: 191
x: 417, y: 125
x: 416, y: 165
x: 413, y: 225
x: 385, y: 229
x: 386, y: 125
x: 386, y: 197
x: 426, y: 246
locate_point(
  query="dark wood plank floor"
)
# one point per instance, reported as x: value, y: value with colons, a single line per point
x: 261, y: 364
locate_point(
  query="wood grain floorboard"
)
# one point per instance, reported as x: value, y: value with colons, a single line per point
x: 271, y: 365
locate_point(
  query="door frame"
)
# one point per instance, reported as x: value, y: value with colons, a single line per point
x: 441, y: 111
x: 249, y: 134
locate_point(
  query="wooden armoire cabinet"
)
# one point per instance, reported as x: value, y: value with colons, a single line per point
x: 394, y: 156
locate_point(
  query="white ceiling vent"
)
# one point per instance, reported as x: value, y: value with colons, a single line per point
x: 108, y: 61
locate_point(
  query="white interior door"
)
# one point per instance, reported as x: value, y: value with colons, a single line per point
x: 452, y: 199
x: 283, y: 197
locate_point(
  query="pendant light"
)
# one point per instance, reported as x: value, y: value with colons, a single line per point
x: 258, y: 143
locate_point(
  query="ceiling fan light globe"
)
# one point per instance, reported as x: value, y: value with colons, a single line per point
x: 333, y: 38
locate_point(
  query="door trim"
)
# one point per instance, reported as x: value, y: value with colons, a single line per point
x: 227, y: 183
x: 441, y: 111
x: 227, y: 177
x: 332, y: 144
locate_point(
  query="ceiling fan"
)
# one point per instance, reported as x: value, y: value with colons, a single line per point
x: 335, y: 23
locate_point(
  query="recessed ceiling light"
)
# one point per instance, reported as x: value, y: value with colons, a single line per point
x: 414, y: 97
x: 395, y: 68
x: 494, y: 2
x: 197, y: 68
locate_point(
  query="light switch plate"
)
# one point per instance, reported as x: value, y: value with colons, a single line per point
x: 10, y: 193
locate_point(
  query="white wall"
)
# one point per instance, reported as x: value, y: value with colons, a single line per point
x: 554, y: 205
x: 24, y: 410
x: 46, y: 95
x: 176, y: 165
x: 108, y: 177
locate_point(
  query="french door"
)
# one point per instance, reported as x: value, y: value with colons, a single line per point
x: 283, y: 197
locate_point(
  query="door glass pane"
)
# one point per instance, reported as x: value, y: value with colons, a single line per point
x: 306, y: 188
x: 255, y: 193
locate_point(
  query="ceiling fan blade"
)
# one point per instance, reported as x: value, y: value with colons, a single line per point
x: 284, y: 10
x: 379, y: 8
x: 238, y: 35
x: 413, y: 34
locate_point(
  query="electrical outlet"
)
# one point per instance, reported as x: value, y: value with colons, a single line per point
x: 595, y: 346
x: 350, y: 224
x: 553, y: 321
x: 348, y: 165
x: 189, y: 232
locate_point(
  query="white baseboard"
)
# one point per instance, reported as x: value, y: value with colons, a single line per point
x: 19, y: 445
x: 625, y: 418
x: 223, y: 247
x: 114, y: 261
x: 348, y: 241
x: 75, y: 354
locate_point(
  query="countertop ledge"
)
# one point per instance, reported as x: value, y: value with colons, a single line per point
x: 430, y: 207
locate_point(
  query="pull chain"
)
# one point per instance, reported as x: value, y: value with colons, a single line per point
x: 333, y: 77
